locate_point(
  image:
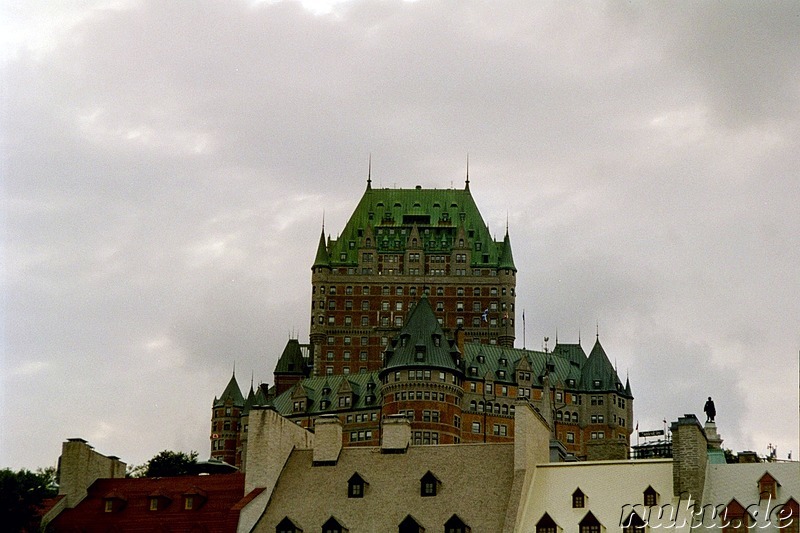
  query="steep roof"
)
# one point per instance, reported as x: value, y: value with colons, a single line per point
x: 232, y: 392
x: 506, y: 257
x: 319, y: 388
x: 391, y: 214
x: 422, y: 343
x: 322, y: 258
x: 291, y: 360
x: 598, y: 373
x: 217, y: 512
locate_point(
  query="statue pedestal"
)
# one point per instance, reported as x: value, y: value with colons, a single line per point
x: 714, y: 440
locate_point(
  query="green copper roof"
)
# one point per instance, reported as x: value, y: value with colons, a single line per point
x: 506, y: 257
x: 291, y: 360
x: 571, y: 352
x: 322, y: 258
x: 319, y: 388
x: 387, y: 218
x: 598, y: 373
x: 232, y: 392
x: 422, y: 343
x: 500, y: 364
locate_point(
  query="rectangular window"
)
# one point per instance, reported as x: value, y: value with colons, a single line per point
x: 476, y: 427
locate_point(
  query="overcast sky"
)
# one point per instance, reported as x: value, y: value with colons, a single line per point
x: 166, y: 165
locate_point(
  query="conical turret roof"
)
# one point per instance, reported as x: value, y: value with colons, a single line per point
x: 506, y: 257
x: 322, y: 258
x: 598, y: 373
x: 422, y: 343
x: 232, y: 392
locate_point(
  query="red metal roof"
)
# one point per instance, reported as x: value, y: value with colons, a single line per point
x: 215, y: 505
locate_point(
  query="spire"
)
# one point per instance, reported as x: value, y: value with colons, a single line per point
x: 369, y: 173
x: 322, y: 258
x: 507, y: 258
x: 232, y: 392
x: 466, y: 187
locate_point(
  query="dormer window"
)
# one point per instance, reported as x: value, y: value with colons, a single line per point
x: 501, y: 374
x: 333, y: 526
x: 287, y: 526
x: 570, y: 382
x: 546, y: 525
x: 481, y: 358
x: 420, y: 353
x: 578, y: 499
x: 503, y: 361
x: 456, y: 525
x: 596, y: 383
x: 650, y: 497
x: 767, y: 487
x: 429, y: 485
x: 590, y: 524
x: 114, y: 502
x: 356, y: 486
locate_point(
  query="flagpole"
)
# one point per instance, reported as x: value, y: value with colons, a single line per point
x: 523, y: 329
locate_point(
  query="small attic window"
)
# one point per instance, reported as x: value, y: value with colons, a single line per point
x: 501, y: 373
x: 437, y: 340
x: 473, y: 371
x: 767, y: 487
x: 398, y: 204
x: 481, y: 358
x: 578, y: 499
x: 437, y: 205
x: 570, y: 382
x: 596, y: 383
x: 417, y: 204
x: 356, y: 486
x: 419, y: 355
x: 454, y: 205
x: 650, y: 497
x: 503, y: 361
x: 380, y: 204
x: 429, y: 485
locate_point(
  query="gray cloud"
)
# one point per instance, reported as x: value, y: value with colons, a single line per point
x: 167, y: 168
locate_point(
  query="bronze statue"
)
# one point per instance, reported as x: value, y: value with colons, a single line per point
x: 710, y: 410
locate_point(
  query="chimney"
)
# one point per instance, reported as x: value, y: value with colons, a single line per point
x: 327, y: 440
x: 689, y: 458
x: 79, y: 466
x: 396, y: 434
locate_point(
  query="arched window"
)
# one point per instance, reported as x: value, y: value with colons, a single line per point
x: 575, y: 417
x: 473, y: 405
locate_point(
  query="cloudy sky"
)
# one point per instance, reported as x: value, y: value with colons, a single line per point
x: 166, y: 165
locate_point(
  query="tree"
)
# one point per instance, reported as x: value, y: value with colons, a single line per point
x: 167, y: 464
x: 22, y: 495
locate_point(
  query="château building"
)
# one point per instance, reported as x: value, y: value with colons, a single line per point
x: 413, y: 313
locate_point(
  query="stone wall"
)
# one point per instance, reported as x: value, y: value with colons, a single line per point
x: 690, y: 456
